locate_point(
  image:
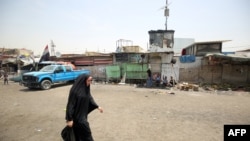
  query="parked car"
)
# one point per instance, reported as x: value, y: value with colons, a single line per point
x: 50, y: 75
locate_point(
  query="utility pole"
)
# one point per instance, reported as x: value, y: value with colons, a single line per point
x: 166, y: 14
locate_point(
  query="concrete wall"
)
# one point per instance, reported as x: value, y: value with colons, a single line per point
x: 161, y: 40
x: 236, y: 74
x: 210, y: 74
x: 189, y: 72
x: 170, y: 70
x: 201, y: 71
x: 160, y: 63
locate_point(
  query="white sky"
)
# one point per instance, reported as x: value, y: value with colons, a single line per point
x: 95, y: 25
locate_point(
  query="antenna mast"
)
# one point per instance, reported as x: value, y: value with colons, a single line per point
x: 166, y: 14
x: 52, y: 48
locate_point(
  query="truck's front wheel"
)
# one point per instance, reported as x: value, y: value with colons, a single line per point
x: 46, y: 84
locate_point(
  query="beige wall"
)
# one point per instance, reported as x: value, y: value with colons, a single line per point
x: 235, y: 73
x: 217, y: 73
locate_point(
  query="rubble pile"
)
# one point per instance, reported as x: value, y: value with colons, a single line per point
x: 212, y: 87
x: 186, y: 86
x: 226, y: 87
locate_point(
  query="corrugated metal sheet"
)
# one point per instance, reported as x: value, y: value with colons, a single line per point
x: 84, y: 62
x: 101, y: 61
x: 113, y: 72
x: 87, y: 61
x: 233, y: 57
x: 135, y: 70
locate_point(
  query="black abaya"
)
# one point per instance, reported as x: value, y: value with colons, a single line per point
x: 80, y: 104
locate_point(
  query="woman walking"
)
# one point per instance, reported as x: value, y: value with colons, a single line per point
x: 80, y: 104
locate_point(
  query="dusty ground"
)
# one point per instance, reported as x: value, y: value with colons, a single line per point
x: 131, y: 114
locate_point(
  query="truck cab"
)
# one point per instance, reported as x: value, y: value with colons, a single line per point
x: 50, y: 75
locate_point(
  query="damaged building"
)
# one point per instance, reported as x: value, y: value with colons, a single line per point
x: 204, y: 62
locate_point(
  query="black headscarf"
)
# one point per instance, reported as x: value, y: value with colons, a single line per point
x: 80, y: 101
x: 80, y: 84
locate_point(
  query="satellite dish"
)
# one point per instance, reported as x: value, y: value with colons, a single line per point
x: 58, y: 54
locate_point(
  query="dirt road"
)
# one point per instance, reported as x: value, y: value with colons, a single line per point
x: 130, y: 113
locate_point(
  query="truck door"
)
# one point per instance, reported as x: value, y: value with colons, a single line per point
x: 59, y: 74
x: 70, y: 75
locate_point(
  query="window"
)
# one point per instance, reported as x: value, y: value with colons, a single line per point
x: 59, y: 69
x: 68, y: 68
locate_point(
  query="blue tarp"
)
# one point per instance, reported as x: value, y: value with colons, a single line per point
x: 187, y: 58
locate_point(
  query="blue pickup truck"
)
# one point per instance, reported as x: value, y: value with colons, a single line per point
x: 50, y: 75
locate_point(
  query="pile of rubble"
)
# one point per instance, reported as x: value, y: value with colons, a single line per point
x: 186, y: 86
x: 211, y: 87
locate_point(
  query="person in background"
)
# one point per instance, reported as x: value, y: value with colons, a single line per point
x: 149, y: 73
x: 158, y: 80
x: 165, y: 81
x: 172, y: 82
x: 6, y: 80
x: 149, y: 79
x: 80, y: 104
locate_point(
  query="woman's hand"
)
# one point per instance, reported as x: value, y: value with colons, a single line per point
x: 100, y: 109
x: 70, y: 123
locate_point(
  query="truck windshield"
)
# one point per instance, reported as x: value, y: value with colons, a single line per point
x: 48, y: 69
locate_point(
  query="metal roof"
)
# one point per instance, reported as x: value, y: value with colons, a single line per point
x: 216, y: 41
x: 208, y: 42
x: 233, y: 57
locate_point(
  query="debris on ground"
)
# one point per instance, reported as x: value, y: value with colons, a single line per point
x: 186, y: 86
